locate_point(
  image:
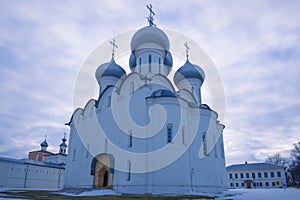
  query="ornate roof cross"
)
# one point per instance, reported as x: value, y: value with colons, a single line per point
x: 114, y: 46
x: 151, y: 14
x: 187, y: 48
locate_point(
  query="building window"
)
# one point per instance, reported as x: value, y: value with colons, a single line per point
x: 243, y: 185
x: 204, y: 143
x: 109, y: 101
x: 231, y: 184
x: 169, y: 132
x: 278, y: 174
x: 230, y: 176
x: 129, y: 171
x: 242, y: 175
x: 253, y: 175
x: 159, y: 61
x: 74, y: 155
x: 140, y: 61
x: 130, y: 139
x: 150, y: 60
x: 267, y: 184
x: 273, y: 183
x: 247, y: 175
x: 183, y: 136
x: 272, y: 174
x: 237, y: 184
x: 259, y: 174
x: 235, y: 175
x: 266, y: 174
x: 260, y: 184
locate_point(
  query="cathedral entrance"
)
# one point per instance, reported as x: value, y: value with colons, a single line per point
x: 103, y: 171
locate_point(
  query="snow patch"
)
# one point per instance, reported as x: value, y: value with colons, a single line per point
x: 103, y: 192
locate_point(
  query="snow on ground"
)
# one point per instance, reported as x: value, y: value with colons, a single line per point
x: 91, y: 193
x: 262, y: 194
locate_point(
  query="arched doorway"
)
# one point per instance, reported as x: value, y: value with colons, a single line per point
x: 102, y: 168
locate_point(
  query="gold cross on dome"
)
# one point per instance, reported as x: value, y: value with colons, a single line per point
x: 151, y: 14
x: 187, y: 48
x: 113, y: 48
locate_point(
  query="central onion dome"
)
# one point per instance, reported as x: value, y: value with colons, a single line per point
x: 109, y: 69
x: 150, y: 37
x: 189, y: 70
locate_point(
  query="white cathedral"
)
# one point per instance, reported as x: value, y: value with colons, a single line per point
x: 143, y: 134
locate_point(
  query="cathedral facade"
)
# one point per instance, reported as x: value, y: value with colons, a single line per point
x: 142, y: 135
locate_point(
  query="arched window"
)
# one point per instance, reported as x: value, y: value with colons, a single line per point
x: 169, y: 132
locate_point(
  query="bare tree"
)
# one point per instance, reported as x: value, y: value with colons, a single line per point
x: 295, y: 164
x: 277, y: 159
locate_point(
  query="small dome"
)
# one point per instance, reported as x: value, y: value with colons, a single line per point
x: 44, y: 144
x: 162, y: 93
x: 168, y: 60
x: 150, y: 37
x: 132, y: 61
x: 109, y: 69
x: 63, y: 142
x: 188, y: 70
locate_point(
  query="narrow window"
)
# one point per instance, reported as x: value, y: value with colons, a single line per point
x: 230, y: 176
x: 237, y: 184
x: 272, y: 174
x: 130, y: 139
x: 267, y: 184
x: 129, y: 171
x: 235, y: 175
x: 204, y: 143
x: 183, y: 136
x: 242, y: 175
x: 159, y: 61
x: 266, y: 174
x: 109, y: 101
x: 169, y: 132
x: 231, y: 184
x: 140, y: 61
x: 150, y: 60
x: 74, y: 155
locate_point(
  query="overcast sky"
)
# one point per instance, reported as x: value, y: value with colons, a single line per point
x: 255, y: 46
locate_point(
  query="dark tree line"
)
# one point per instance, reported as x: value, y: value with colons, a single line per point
x: 291, y: 165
